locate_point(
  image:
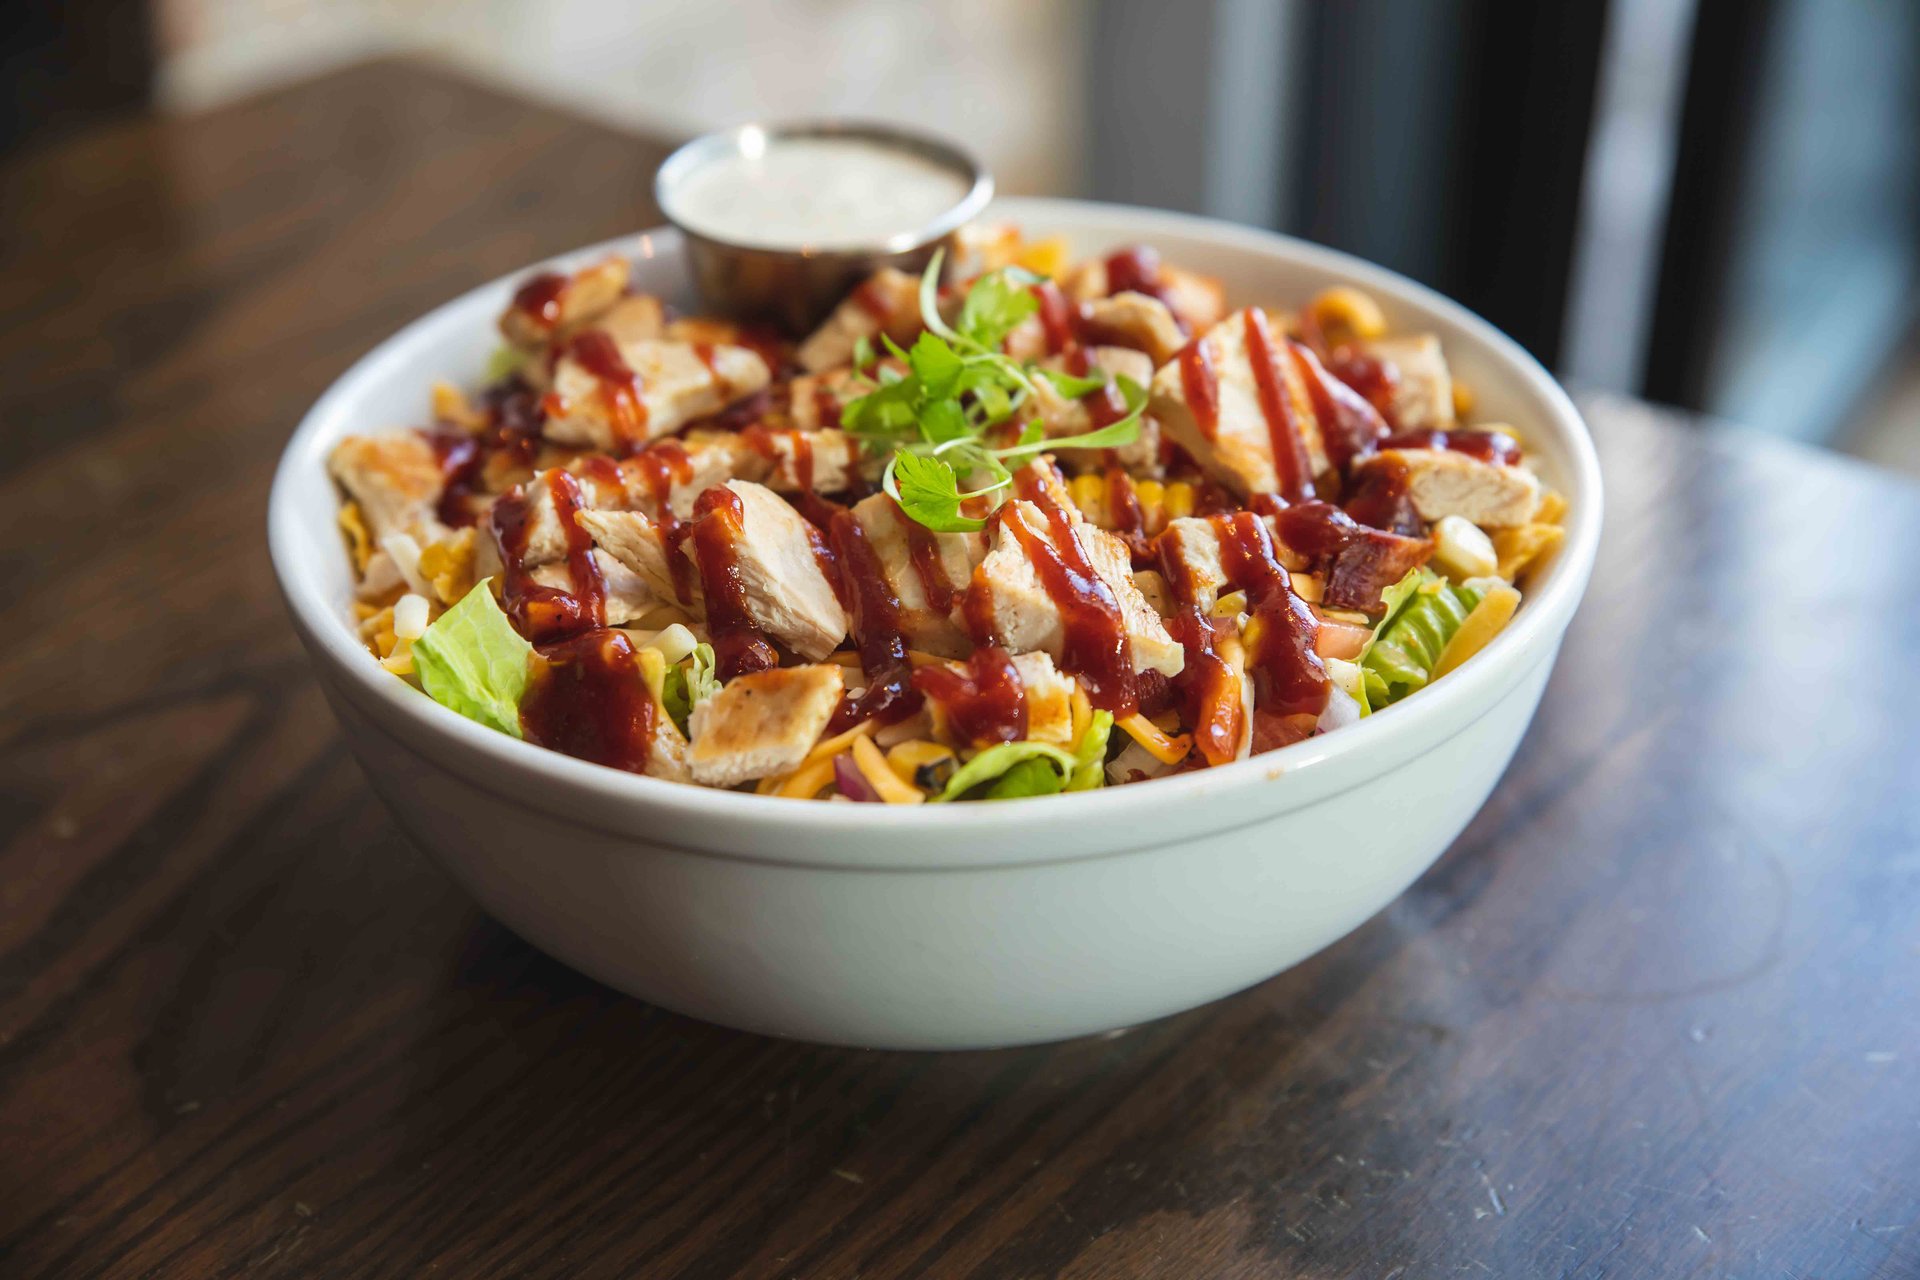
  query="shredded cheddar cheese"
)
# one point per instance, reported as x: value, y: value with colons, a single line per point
x: 359, y: 541
x: 1164, y: 747
x: 1486, y: 621
x: 880, y: 776
x: 808, y: 780
x: 1519, y: 549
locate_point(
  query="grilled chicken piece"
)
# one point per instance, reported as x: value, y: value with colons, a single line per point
x: 1024, y: 616
x: 676, y: 383
x: 546, y: 536
x: 1155, y: 591
x: 1190, y: 547
x: 1423, y: 393
x: 1442, y: 482
x: 667, y: 753
x: 640, y: 545
x: 1064, y: 417
x: 820, y: 461
x: 815, y: 400
x: 762, y: 724
x: 887, y: 302
x: 1134, y: 320
x: 946, y: 565
x: 629, y: 596
x: 980, y: 247
x: 1198, y: 301
x: 1238, y: 449
x: 567, y: 306
x: 788, y: 596
x: 396, y: 480
x: 681, y: 470
x: 638, y: 317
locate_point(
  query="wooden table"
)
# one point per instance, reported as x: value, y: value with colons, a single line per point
x: 1655, y: 1014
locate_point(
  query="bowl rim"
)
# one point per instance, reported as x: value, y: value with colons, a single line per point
x: 1466, y: 694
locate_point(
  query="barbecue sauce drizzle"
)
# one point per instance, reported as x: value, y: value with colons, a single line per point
x: 589, y: 699
x: 1060, y: 318
x: 512, y: 431
x: 540, y: 297
x: 984, y: 698
x: 1290, y: 464
x: 1289, y: 678
x: 716, y: 530
x: 660, y: 466
x: 1200, y: 381
x: 875, y: 610
x: 1488, y: 446
x: 541, y: 613
x: 1095, y: 644
x: 923, y: 549
x: 1351, y: 427
x: 1206, y: 681
x: 1136, y: 269
x: 619, y: 388
x: 1105, y: 406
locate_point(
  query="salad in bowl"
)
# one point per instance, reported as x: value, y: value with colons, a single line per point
x: 1016, y: 527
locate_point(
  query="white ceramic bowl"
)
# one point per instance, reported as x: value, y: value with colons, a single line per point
x: 958, y: 925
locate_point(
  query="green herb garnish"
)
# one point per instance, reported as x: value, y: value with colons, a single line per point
x: 932, y: 422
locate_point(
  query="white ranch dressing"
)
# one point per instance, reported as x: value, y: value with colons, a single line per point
x: 822, y: 193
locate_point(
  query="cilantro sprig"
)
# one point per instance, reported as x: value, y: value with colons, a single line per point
x: 936, y: 420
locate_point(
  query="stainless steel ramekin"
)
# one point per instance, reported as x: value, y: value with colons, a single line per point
x: 794, y: 288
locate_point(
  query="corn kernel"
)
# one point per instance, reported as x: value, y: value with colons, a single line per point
x: 1043, y: 257
x: 1089, y: 494
x: 1151, y: 494
x: 450, y: 405
x: 1344, y: 312
x: 1462, y: 550
x: 1462, y: 399
x: 1179, y: 500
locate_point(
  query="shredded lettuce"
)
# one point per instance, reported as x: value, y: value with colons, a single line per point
x: 472, y: 661
x: 504, y: 363
x: 687, y: 687
x: 1028, y: 778
x: 1393, y: 598
x: 1419, y: 622
x: 1090, y: 757
x: 995, y: 763
x: 1015, y: 769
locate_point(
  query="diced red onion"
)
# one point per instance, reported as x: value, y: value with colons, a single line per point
x: 853, y: 784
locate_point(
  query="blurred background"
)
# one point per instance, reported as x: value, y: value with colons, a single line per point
x: 1709, y: 203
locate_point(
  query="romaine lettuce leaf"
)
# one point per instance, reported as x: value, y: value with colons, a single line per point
x: 1028, y: 778
x: 995, y: 762
x: 1394, y: 598
x: 1402, y: 655
x: 471, y: 660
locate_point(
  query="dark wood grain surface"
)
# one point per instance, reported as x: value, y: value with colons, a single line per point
x: 1656, y: 1013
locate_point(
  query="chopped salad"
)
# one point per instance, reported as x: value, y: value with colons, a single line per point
x: 1014, y: 527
